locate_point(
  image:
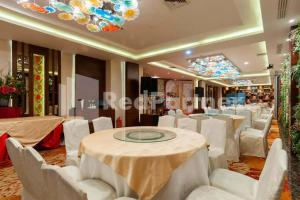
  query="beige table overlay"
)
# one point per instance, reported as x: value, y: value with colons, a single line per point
x: 29, y: 130
x: 146, y: 167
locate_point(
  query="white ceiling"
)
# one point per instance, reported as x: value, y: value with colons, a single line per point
x: 237, y: 54
x: 159, y: 24
x: 160, y: 27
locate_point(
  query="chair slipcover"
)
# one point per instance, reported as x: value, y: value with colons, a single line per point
x: 16, y: 154
x: 214, y: 131
x: 63, y: 187
x: 60, y: 185
x: 35, y: 183
x: 42, y: 181
x: 171, y: 112
x: 247, y: 123
x: 253, y: 142
x: 213, y: 111
x: 74, y: 131
x: 199, y: 118
x: 269, y: 185
x: 232, y: 148
x: 276, y: 146
x: 261, y: 122
x: 178, y: 111
x: 228, y: 112
x: 102, y: 123
x: 187, y: 123
x: 211, y: 193
x: 166, y: 121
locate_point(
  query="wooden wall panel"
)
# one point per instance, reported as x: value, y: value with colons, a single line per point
x: 132, y: 91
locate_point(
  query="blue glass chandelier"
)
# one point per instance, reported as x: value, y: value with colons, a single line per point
x: 96, y: 15
x: 217, y: 66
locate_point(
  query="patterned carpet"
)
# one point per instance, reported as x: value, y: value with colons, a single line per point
x: 10, y: 186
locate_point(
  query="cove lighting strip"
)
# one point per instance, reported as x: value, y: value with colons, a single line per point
x: 28, y: 22
x: 212, y: 80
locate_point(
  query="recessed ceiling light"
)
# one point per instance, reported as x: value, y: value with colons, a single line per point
x: 188, y: 52
x: 246, y: 63
x: 292, y: 21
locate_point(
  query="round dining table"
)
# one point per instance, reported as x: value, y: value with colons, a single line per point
x: 168, y: 169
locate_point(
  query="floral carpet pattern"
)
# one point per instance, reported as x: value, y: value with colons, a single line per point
x: 10, y: 186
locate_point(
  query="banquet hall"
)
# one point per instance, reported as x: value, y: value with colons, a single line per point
x: 149, y: 100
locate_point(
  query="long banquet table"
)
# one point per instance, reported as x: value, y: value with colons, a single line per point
x: 161, y: 170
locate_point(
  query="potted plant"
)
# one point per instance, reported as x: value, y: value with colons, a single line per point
x: 10, y: 88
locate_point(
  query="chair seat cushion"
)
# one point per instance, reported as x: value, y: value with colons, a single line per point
x: 97, y: 189
x: 211, y: 193
x: 234, y: 183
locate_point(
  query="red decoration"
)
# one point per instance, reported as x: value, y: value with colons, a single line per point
x: 10, y: 112
x: 51, y: 141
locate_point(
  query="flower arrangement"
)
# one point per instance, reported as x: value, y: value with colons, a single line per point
x: 295, y: 129
x: 10, y: 88
x: 284, y: 93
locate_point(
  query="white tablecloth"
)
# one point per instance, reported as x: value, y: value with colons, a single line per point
x: 188, y: 176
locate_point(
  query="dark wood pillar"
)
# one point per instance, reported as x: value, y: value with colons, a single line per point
x: 132, y: 92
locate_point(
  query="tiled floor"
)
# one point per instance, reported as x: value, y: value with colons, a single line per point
x: 10, y: 187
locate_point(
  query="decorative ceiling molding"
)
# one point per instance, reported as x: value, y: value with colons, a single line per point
x: 184, y: 71
x: 31, y: 23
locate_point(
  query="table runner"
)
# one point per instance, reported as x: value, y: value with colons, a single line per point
x: 29, y: 130
x: 146, y: 167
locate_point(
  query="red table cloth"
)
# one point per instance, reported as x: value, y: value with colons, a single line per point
x: 10, y: 112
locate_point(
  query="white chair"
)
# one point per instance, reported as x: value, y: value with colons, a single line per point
x: 102, y: 123
x: 261, y: 122
x: 228, y: 112
x: 214, y: 131
x: 253, y: 142
x: 199, y: 118
x: 15, y: 151
x: 232, y: 185
x: 232, y: 147
x: 28, y: 163
x: 65, y: 184
x: 213, y: 111
x: 63, y: 187
x: 187, y: 123
x: 166, y: 121
x: 171, y: 112
x: 247, y: 123
x: 179, y: 111
x: 74, y: 131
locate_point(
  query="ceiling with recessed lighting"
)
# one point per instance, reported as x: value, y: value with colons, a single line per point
x: 247, y: 32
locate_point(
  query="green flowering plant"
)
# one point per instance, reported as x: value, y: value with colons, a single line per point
x: 284, y: 92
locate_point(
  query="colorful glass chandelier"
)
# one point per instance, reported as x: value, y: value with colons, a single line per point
x: 217, y: 66
x: 96, y: 15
